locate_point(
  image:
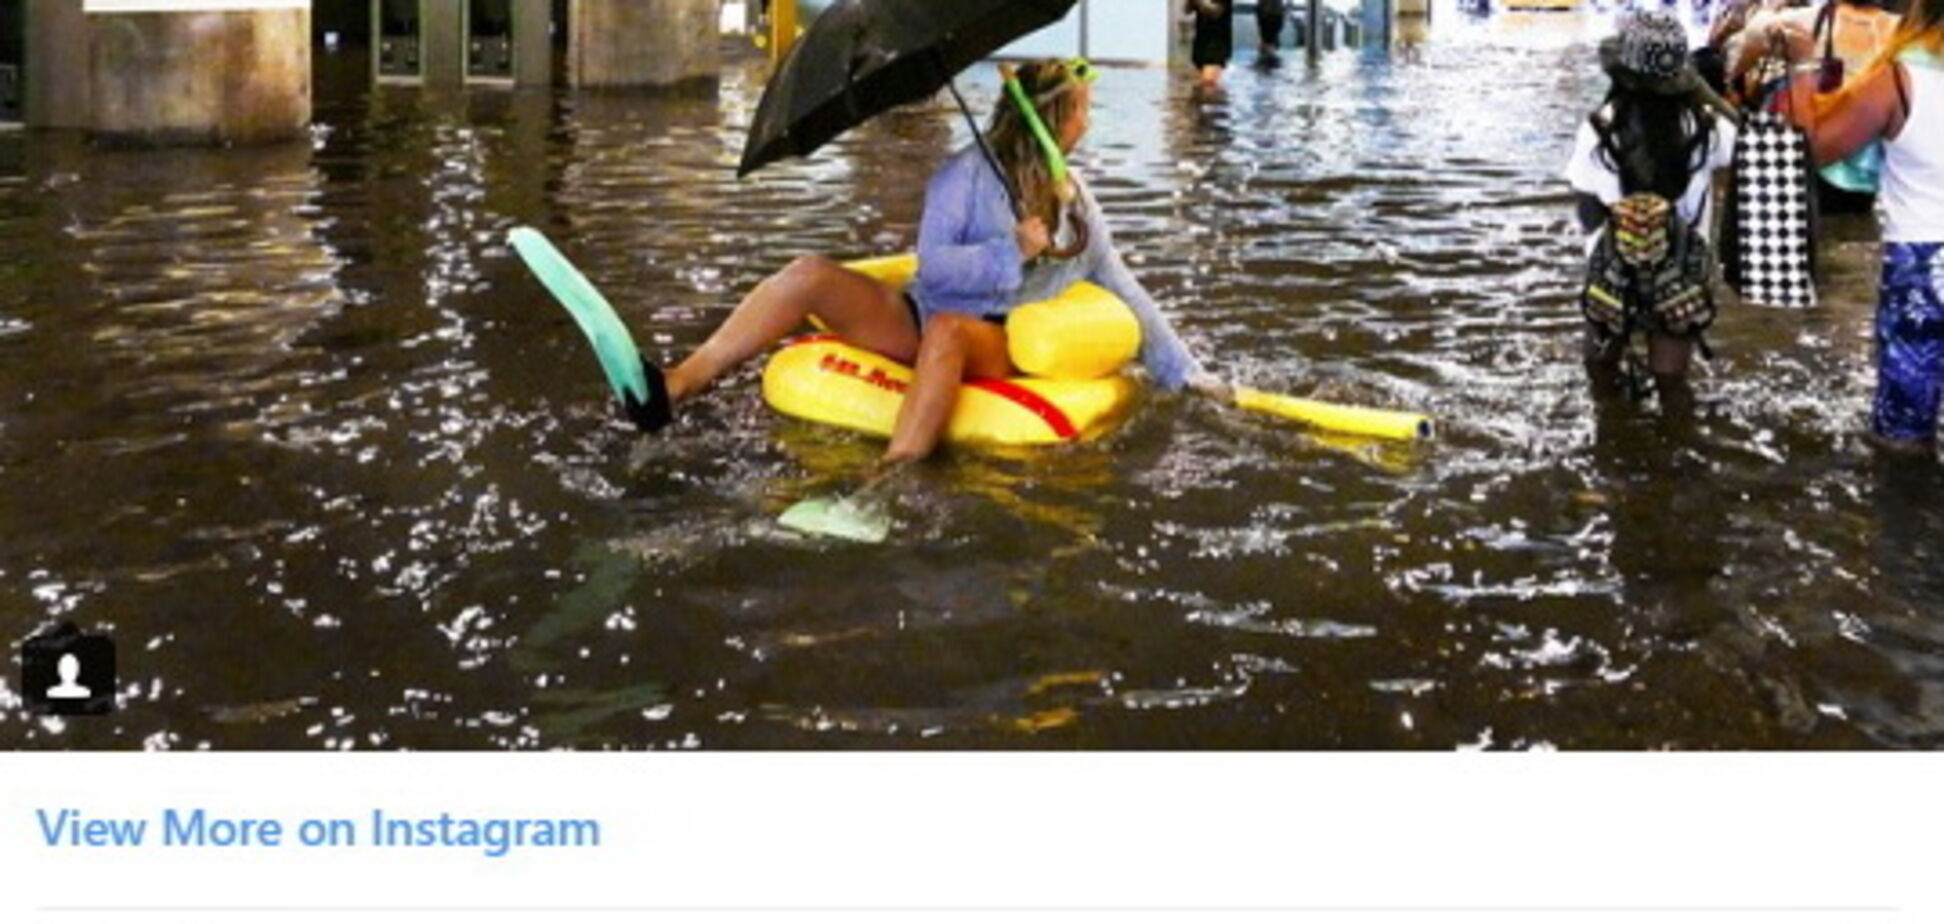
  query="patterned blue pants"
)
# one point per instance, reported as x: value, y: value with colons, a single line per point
x: 1910, y: 342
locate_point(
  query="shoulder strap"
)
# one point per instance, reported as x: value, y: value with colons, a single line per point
x: 1826, y: 27
x: 1903, y: 96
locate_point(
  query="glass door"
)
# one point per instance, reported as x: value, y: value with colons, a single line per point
x: 489, y: 40
x: 13, y: 59
x: 398, y: 43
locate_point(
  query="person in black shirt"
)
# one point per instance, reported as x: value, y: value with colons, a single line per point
x: 1270, y: 15
x: 1214, y: 37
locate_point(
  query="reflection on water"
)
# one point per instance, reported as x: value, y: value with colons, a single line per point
x: 294, y: 425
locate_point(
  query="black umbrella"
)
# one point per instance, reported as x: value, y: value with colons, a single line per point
x: 863, y: 57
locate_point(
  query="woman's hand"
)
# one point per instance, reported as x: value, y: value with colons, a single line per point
x: 1212, y: 388
x: 1033, y: 238
x: 1730, y: 23
x: 1800, y: 41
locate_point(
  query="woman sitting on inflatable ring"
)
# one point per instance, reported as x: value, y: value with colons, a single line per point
x: 976, y: 262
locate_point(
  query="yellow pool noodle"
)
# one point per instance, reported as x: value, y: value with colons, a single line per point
x: 1340, y: 418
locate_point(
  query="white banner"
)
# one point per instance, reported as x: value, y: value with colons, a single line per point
x: 190, y: 6
x: 1154, y: 839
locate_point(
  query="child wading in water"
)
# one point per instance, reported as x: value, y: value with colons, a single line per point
x: 1642, y: 166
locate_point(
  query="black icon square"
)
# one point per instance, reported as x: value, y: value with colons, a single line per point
x: 68, y: 672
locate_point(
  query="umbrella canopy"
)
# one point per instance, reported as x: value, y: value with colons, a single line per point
x: 863, y: 57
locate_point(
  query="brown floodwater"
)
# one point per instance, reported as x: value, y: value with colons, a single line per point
x: 295, y: 427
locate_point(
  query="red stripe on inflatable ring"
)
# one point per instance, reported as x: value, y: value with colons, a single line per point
x: 1040, y: 407
x: 1056, y: 419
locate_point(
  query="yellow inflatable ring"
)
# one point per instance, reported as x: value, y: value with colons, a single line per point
x: 1083, y: 333
x: 1074, y: 344
x: 825, y: 380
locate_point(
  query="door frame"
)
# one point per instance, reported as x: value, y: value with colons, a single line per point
x: 512, y: 45
x: 22, y: 68
x: 378, y: 44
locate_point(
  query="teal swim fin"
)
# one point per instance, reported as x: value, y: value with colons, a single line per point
x: 637, y: 385
x: 862, y: 516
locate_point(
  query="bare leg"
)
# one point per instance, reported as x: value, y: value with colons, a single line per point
x: 1896, y: 447
x: 1602, y: 356
x: 955, y: 348
x: 1669, y: 357
x: 861, y: 310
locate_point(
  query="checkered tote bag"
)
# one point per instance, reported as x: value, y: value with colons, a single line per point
x: 1773, y: 234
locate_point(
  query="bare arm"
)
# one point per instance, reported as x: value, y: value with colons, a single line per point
x: 1871, y: 109
x: 1730, y: 23
x: 1753, y: 47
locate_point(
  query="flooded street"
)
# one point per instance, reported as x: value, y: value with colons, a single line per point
x: 294, y: 425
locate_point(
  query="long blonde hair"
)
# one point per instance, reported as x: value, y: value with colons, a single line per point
x: 1050, y: 84
x: 1922, y: 27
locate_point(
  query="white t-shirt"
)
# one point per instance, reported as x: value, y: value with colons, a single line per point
x: 1913, y: 162
x: 1588, y: 172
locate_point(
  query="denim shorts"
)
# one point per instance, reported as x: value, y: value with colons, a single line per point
x: 1910, y: 342
x: 918, y: 315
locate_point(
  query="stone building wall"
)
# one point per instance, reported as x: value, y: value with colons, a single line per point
x: 224, y: 77
x: 643, y: 43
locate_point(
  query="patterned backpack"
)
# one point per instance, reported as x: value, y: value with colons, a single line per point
x: 1649, y: 272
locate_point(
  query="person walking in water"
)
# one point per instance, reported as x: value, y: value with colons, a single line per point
x: 1642, y: 168
x: 977, y: 260
x: 1270, y: 16
x: 1898, y: 102
x: 1214, y: 37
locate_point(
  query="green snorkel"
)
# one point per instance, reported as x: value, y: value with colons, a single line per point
x: 1056, y: 164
